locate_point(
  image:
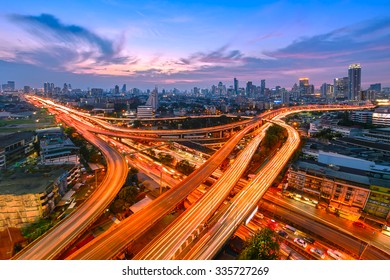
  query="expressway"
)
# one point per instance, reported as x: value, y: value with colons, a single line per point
x: 167, y: 135
x: 113, y: 242
x: 245, y: 201
x: 169, y: 241
x: 60, y: 237
x: 332, y: 228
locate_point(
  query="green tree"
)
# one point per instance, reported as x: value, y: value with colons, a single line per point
x: 166, y: 159
x: 185, y: 167
x: 262, y: 246
x: 137, y: 123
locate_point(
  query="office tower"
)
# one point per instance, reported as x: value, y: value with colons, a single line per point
x: 124, y: 88
x: 285, y: 97
x: 235, y: 86
x: 340, y: 87
x: 65, y: 89
x: 153, y: 99
x: 96, y: 91
x: 46, y: 88
x: 304, y: 87
x: 376, y: 87
x: 354, y: 75
x: 327, y: 90
x: 262, y: 88
x: 11, y: 85
x: 116, y: 89
x: 219, y: 89
x: 26, y: 89
x: 248, y: 90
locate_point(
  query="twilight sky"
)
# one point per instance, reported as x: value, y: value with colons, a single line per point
x: 182, y: 44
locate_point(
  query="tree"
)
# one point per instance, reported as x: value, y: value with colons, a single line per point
x: 262, y: 246
x: 137, y: 123
x: 166, y: 159
x: 185, y: 167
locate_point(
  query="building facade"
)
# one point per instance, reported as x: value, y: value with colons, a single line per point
x: 349, y: 192
x: 25, y: 198
x: 354, y: 77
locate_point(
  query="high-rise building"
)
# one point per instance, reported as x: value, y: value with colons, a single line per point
x: 354, y: 75
x: 65, y: 89
x: 124, y: 88
x: 96, y: 91
x: 153, y: 99
x: 376, y: 87
x: 48, y: 88
x: 340, y: 87
x: 235, y: 86
x: 9, y: 86
x: 304, y: 87
x: 262, y: 88
x: 116, y: 89
x: 327, y: 90
x: 285, y: 97
x: 249, y: 90
x: 26, y: 89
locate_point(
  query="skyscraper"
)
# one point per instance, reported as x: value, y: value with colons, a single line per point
x: 285, y: 97
x: 153, y: 99
x: 116, y: 90
x: 262, y: 88
x: 354, y: 75
x: 235, y: 86
x: 248, y: 90
x: 123, y: 88
x: 327, y: 90
x: 340, y: 86
x: 304, y: 88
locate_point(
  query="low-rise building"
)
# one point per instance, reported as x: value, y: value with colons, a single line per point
x: 381, y: 135
x: 56, y: 148
x: 27, y: 197
x: 145, y: 112
x: 16, y: 146
x: 347, y: 189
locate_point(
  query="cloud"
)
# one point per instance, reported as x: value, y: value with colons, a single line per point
x: 220, y: 56
x: 67, y: 44
x: 361, y: 41
x: 322, y: 57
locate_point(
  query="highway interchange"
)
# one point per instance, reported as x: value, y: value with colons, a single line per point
x: 115, y: 241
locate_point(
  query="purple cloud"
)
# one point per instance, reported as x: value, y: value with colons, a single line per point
x: 78, y: 43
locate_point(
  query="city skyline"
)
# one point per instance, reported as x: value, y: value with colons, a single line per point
x: 171, y: 44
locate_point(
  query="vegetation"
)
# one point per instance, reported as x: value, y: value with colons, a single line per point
x: 327, y: 134
x: 185, y: 167
x: 262, y: 246
x: 166, y: 159
x: 89, y: 152
x: 35, y: 230
x: 127, y: 196
x: 274, y: 136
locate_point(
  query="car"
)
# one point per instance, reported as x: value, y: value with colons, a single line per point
x: 319, y: 253
x: 272, y: 224
x: 300, y: 242
x: 283, y: 233
x: 335, y: 254
x: 309, y: 239
x: 359, y: 224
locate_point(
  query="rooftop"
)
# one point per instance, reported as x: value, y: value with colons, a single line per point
x: 342, y: 173
x: 10, y: 139
x: 19, y: 183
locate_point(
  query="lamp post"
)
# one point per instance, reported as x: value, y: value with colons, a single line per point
x: 161, y: 172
